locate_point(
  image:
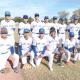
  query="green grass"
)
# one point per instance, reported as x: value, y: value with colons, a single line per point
x: 69, y: 72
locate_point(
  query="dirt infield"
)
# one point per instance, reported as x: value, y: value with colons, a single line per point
x: 10, y: 74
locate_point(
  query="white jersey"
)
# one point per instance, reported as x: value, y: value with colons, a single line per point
x: 77, y: 26
x: 69, y: 43
x: 56, y: 26
x: 74, y: 28
x: 5, y: 45
x: 71, y: 27
x: 23, y: 26
x: 26, y: 44
x: 62, y: 28
x: 40, y: 43
x: 53, y: 42
x: 47, y: 27
x: 36, y: 26
x: 9, y: 25
x: 77, y: 43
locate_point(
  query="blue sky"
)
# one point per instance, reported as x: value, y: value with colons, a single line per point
x: 43, y: 7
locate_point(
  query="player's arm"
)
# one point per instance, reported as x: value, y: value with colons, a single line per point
x: 14, y: 26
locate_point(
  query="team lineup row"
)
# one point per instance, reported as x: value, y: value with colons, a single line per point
x: 38, y: 40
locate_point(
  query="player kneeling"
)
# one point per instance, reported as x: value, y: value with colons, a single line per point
x: 26, y: 49
x: 40, y: 48
x: 69, y: 46
x: 5, y: 53
x: 77, y: 56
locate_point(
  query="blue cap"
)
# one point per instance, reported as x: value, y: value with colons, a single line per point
x: 25, y: 16
x: 55, y: 18
x: 36, y: 15
x: 79, y: 32
x: 65, y: 19
x: 26, y: 30
x: 71, y: 34
x: 61, y: 19
x: 41, y: 30
x: 7, y: 13
x: 46, y: 17
x: 74, y: 17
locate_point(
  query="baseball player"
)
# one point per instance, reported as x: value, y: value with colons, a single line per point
x: 26, y: 49
x: 53, y: 39
x: 10, y: 25
x: 77, y: 26
x: 5, y: 45
x: 62, y: 29
x: 41, y: 50
x: 47, y: 25
x: 70, y: 26
x: 23, y: 25
x: 60, y: 54
x: 77, y: 56
x: 54, y: 42
x: 36, y: 25
x: 74, y: 26
x: 55, y: 24
x: 69, y: 46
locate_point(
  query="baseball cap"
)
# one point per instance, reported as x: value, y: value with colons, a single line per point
x: 55, y: 18
x: 36, y: 15
x: 79, y: 32
x: 61, y: 19
x: 4, y: 31
x: 74, y: 17
x: 71, y: 34
x: 46, y: 17
x: 41, y: 30
x: 25, y: 16
x: 7, y: 13
x: 26, y: 30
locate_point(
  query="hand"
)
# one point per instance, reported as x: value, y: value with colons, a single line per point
x: 36, y: 58
x: 47, y: 47
x: 26, y: 54
x: 40, y: 56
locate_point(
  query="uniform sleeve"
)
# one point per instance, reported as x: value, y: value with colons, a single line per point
x: 65, y: 44
x: 32, y: 25
x: 46, y: 42
x: 21, y: 41
x: 68, y: 28
x: 77, y: 43
x: 34, y: 47
x: 13, y: 25
x: 34, y: 41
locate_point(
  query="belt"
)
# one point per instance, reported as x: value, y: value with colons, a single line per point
x: 40, y: 51
x: 4, y: 52
x: 46, y: 34
x: 35, y: 33
x: 61, y: 33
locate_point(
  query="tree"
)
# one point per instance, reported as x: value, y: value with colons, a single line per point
x: 30, y: 19
x: 18, y: 19
x: 63, y: 14
x: 1, y: 19
x: 77, y: 12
